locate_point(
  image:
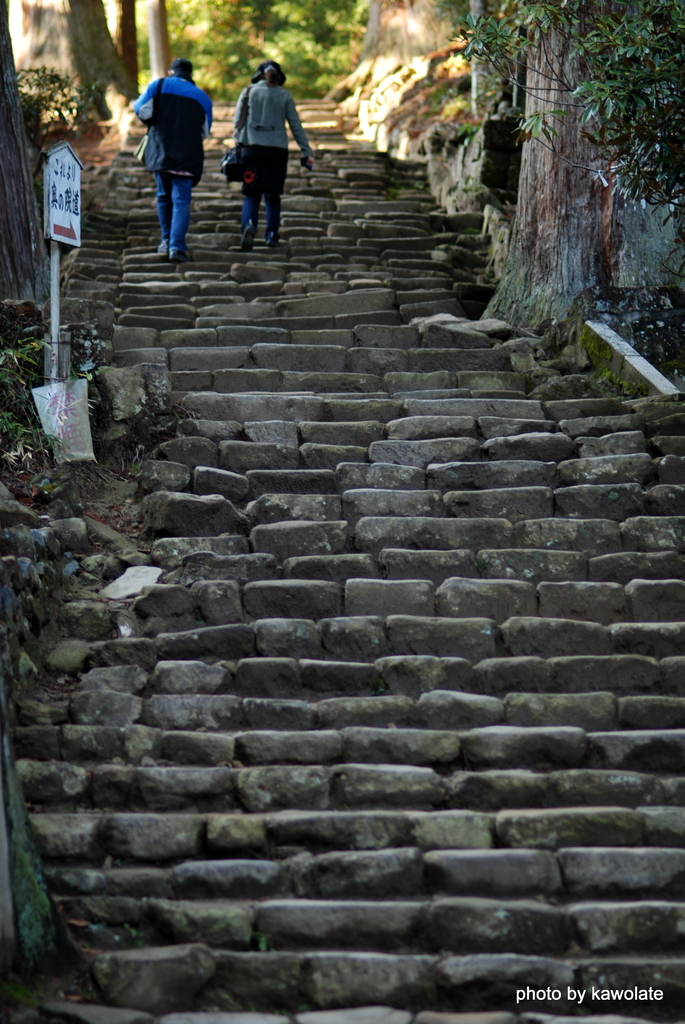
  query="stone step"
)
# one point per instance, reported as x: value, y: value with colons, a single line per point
x: 360, y: 979
x: 459, y: 923
x: 298, y: 783
x: 136, y: 356
x: 399, y: 871
x: 573, y: 834
x: 476, y: 639
x: 253, y: 379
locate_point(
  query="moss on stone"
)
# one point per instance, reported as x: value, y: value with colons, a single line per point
x: 598, y: 350
x: 625, y: 388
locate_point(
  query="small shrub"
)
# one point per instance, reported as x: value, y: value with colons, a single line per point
x: 21, y: 368
x: 53, y: 103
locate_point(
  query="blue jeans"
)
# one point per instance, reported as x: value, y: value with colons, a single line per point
x: 272, y: 202
x: 173, y: 208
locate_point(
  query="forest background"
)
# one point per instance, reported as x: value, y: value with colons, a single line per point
x: 317, y: 41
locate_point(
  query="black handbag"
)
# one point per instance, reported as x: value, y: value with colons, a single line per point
x: 232, y: 163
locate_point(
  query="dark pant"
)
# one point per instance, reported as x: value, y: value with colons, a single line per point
x: 174, y: 193
x: 272, y: 203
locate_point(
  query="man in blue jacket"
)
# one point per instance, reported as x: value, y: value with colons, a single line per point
x: 179, y: 115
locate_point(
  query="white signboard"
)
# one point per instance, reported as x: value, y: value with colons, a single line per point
x: 62, y: 194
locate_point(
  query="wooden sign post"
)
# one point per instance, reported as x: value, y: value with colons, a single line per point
x: 62, y: 223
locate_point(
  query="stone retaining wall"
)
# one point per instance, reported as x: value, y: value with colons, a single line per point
x: 32, y: 570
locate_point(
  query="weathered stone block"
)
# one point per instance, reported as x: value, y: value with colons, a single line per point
x: 554, y: 829
x: 513, y: 503
x: 482, y: 925
x: 289, y: 539
x: 389, y: 597
x: 589, y: 711
x: 492, y: 599
x: 549, y: 638
x: 183, y: 515
x: 472, y: 639
x: 156, y: 979
x: 461, y: 711
x: 593, y: 501
x: 656, y: 600
x: 495, y: 873
x: 540, y: 748
x: 287, y: 638
x: 596, y: 602
x: 284, y: 598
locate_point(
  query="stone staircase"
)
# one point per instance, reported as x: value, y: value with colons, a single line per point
x: 402, y: 722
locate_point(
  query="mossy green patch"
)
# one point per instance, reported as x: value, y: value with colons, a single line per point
x: 15, y: 992
x: 599, y: 351
x: 624, y: 387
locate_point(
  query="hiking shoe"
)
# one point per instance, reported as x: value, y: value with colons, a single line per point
x: 247, y: 238
x: 176, y: 256
x: 163, y: 248
x: 271, y: 240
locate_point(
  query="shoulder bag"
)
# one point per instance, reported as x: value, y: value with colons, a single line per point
x: 232, y: 165
x: 139, y: 153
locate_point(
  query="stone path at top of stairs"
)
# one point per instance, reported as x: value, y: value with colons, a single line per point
x: 403, y: 721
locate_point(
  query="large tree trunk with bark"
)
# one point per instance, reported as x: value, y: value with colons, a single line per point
x: 396, y: 32
x: 572, y: 231
x: 23, y: 260
x: 158, y: 33
x: 72, y: 36
x: 125, y: 38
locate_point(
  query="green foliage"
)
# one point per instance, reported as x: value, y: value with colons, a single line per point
x: 536, y: 124
x: 634, y: 100
x: 633, y: 87
x: 51, y: 101
x: 21, y: 368
x: 260, y: 941
x: 15, y: 992
x: 316, y: 41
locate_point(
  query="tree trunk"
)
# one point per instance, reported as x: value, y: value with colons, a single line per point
x: 125, y: 38
x: 396, y: 32
x: 23, y: 259
x: 72, y: 36
x: 160, y: 52
x: 572, y: 231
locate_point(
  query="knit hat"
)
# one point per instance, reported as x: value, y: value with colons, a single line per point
x: 181, y: 67
x: 260, y: 73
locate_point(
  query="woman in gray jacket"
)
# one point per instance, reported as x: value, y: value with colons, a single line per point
x: 262, y: 110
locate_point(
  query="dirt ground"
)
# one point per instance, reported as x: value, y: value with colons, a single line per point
x: 107, y: 496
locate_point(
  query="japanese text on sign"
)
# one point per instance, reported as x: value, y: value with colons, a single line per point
x: 62, y: 191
